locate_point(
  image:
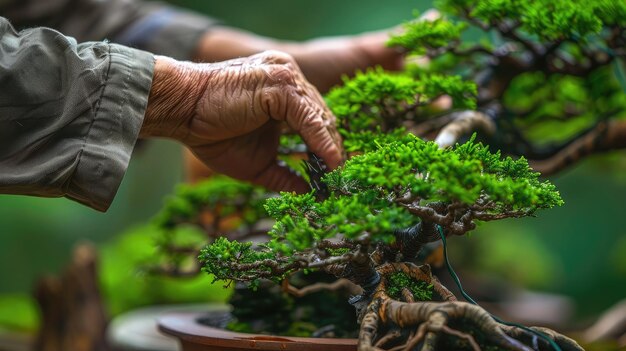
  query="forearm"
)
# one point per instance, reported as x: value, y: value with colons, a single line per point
x: 323, y: 60
x: 225, y: 43
x: 69, y: 122
x: 174, y: 94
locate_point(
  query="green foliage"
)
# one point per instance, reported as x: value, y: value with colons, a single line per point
x: 301, y: 222
x: 239, y: 327
x: 376, y: 102
x: 421, y: 290
x: 611, y: 12
x: 172, y: 247
x: 526, y: 263
x: 350, y: 216
x: 125, y: 284
x: 290, y: 141
x: 618, y: 256
x: 421, y: 35
x: 18, y: 313
x: 182, y: 221
x: 363, y: 102
x: 558, y: 107
x: 554, y: 98
x: 362, y: 201
x: 462, y: 92
x: 366, y: 141
x: 338, y: 252
x: 223, y: 194
x: 559, y: 19
x: 220, y: 257
x: 450, y: 175
x: 366, y: 212
x: 546, y: 19
x: 297, y: 222
x: 302, y: 329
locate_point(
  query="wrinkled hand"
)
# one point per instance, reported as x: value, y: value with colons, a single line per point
x: 229, y: 115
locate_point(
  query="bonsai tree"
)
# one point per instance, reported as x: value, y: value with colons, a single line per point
x: 542, y: 80
x: 382, y: 208
x: 549, y: 74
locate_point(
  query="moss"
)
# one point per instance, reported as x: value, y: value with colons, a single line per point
x: 239, y: 327
x: 302, y: 329
x: 421, y: 290
x: 338, y: 252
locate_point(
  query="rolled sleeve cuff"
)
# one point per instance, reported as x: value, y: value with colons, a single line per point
x: 115, y: 128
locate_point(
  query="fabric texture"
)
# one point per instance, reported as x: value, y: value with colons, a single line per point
x: 69, y: 114
x: 147, y: 25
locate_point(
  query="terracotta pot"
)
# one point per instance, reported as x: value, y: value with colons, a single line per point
x: 194, y: 336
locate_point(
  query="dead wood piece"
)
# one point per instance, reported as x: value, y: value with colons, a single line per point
x: 72, y: 312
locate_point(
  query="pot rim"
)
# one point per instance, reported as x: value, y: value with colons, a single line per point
x: 185, y: 326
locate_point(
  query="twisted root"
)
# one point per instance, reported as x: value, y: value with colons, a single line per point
x: 391, y: 325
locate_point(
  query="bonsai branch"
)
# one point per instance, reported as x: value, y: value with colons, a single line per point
x: 605, y: 136
x: 464, y: 123
x: 337, y: 285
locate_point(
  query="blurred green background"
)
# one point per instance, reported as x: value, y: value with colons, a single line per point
x: 578, y: 250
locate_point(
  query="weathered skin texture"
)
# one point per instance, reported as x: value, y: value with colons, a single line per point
x: 230, y: 113
x: 322, y: 61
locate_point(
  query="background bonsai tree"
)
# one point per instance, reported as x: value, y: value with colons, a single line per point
x: 549, y: 74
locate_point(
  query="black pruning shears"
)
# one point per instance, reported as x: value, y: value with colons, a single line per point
x: 316, y: 169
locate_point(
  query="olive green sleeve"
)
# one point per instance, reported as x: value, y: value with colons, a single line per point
x: 69, y: 114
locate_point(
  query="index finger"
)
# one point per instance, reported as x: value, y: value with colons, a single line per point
x: 330, y: 123
x: 316, y: 125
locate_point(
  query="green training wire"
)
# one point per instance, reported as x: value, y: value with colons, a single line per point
x: 469, y: 299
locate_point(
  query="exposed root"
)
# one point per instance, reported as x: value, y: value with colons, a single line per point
x: 611, y: 325
x: 389, y: 337
x: 441, y: 290
x: 404, y: 314
x: 430, y: 342
x: 391, y: 325
x: 565, y: 343
x: 413, y: 341
x: 407, y: 295
x: 369, y: 328
x: 461, y: 335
